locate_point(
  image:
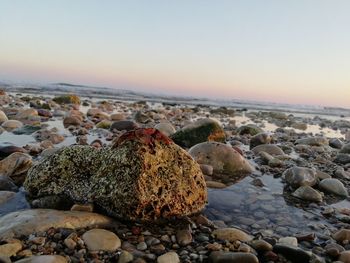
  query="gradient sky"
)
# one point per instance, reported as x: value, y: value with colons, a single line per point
x: 294, y: 51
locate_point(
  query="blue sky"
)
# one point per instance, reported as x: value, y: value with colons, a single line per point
x: 281, y: 51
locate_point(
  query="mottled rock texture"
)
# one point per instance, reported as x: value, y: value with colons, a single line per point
x: 143, y: 176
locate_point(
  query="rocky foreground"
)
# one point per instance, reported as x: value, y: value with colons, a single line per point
x: 133, y: 186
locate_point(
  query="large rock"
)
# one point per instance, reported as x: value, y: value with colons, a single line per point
x: 223, y: 158
x: 143, y: 176
x: 300, y: 176
x: 29, y: 221
x: 200, y: 131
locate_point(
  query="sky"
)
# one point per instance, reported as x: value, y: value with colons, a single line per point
x: 291, y: 51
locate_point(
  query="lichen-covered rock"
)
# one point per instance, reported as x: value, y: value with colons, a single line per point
x: 143, y: 176
x: 250, y: 129
x: 67, y: 99
x: 200, y: 131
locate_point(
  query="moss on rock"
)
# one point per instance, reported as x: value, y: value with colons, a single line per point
x: 200, y: 131
x: 67, y: 99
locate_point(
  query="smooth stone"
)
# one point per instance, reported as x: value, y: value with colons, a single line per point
x: 6, y: 184
x: 26, y: 222
x: 268, y: 148
x: 104, y: 124
x: 169, y: 257
x: 261, y: 245
x: 166, y: 128
x: 314, y: 141
x: 101, y: 240
x: 3, y: 117
x: 336, y: 143
x: 5, y: 196
x: 117, y: 117
x: 123, y: 125
x: 16, y: 164
x: 11, y: 125
x: 342, y: 158
x: 299, y: 126
x: 7, y: 149
x: 26, y: 129
x: 26, y: 113
x: 307, y: 193
x: 333, y: 249
x: 43, y: 259
x: 232, y: 257
x: 292, y: 253
x: 342, y: 235
x: 10, y: 249
x: 300, y: 176
x: 292, y: 241
x: 231, y: 234
x: 125, y: 257
x: 345, y: 149
x: 223, y: 158
x: 207, y: 169
x: 344, y: 257
x: 260, y: 138
x: 215, y: 185
x: 334, y: 186
x: 184, y: 237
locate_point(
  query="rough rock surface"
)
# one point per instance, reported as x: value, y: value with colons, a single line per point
x: 143, y: 176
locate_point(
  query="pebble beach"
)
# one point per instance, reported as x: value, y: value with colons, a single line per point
x: 114, y: 180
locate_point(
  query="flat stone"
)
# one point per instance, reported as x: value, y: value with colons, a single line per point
x: 169, y: 257
x: 231, y: 234
x: 307, y: 193
x: 29, y: 221
x: 232, y: 257
x: 101, y: 240
x: 43, y: 259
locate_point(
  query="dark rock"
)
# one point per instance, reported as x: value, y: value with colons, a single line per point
x: 200, y: 131
x: 124, y: 126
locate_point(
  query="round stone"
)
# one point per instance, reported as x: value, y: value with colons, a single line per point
x: 101, y: 239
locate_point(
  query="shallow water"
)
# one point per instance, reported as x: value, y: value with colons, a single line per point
x: 261, y: 209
